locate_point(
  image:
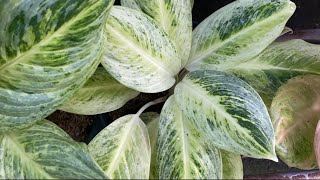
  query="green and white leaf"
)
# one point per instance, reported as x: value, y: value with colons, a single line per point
x: 151, y: 119
x: 123, y: 149
x: 228, y: 112
x: 276, y: 65
x: 139, y: 53
x: 44, y: 151
x: 48, y: 49
x: 238, y: 31
x: 295, y: 112
x: 181, y: 152
x: 101, y: 94
x: 173, y: 16
x: 232, y: 165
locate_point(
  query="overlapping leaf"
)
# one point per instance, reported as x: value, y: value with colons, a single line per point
x: 227, y: 111
x: 48, y: 49
x: 140, y: 54
x: 181, y: 152
x: 295, y: 112
x: 173, y: 16
x: 45, y: 151
x: 151, y: 119
x: 123, y: 149
x: 232, y: 165
x: 277, y: 64
x: 238, y: 31
x: 100, y: 94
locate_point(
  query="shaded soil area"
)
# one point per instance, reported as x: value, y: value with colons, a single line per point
x: 84, y: 128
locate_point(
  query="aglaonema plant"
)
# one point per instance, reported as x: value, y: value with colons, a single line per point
x: 221, y: 77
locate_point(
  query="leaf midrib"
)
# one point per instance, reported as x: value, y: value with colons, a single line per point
x: 206, y: 53
x: 45, y: 40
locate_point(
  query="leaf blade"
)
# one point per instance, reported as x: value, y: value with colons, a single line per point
x: 173, y: 16
x: 228, y: 112
x: 122, y: 149
x: 55, y: 155
x: 100, y: 94
x: 232, y: 165
x: 181, y: 152
x: 295, y: 114
x: 238, y: 31
x: 136, y: 41
x: 44, y: 60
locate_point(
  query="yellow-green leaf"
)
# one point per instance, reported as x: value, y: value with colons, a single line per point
x: 101, y: 94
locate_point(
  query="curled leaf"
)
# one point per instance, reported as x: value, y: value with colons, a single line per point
x: 101, y: 94
x: 122, y: 149
x: 228, y: 112
x: 295, y: 112
x: 44, y: 151
x: 139, y: 53
x: 48, y: 49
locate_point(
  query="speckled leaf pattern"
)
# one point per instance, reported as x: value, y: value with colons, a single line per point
x: 232, y: 165
x: 44, y: 151
x: 317, y: 144
x: 181, y: 152
x: 238, y: 31
x: 101, y: 94
x: 123, y: 149
x: 228, y: 112
x: 48, y: 49
x: 276, y: 65
x: 139, y: 54
x: 173, y: 16
x: 151, y: 119
x: 295, y: 112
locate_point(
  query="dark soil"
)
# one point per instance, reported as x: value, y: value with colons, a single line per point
x: 84, y: 128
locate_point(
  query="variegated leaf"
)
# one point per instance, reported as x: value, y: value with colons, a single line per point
x: 232, y: 165
x: 102, y: 93
x: 295, y: 112
x: 151, y: 119
x: 238, y: 31
x: 181, y: 151
x: 228, y: 112
x: 44, y: 151
x: 173, y: 16
x: 276, y: 64
x: 140, y: 54
x: 48, y: 49
x: 123, y: 149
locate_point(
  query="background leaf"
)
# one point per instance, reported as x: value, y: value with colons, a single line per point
x: 151, y: 119
x: 122, y: 149
x: 317, y: 144
x: 295, y: 112
x: 276, y: 65
x: 181, y: 152
x: 101, y: 94
x: 232, y: 165
x: 44, y: 151
x: 228, y: 112
x: 173, y: 16
x: 238, y: 31
x: 48, y: 49
x: 140, y: 54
